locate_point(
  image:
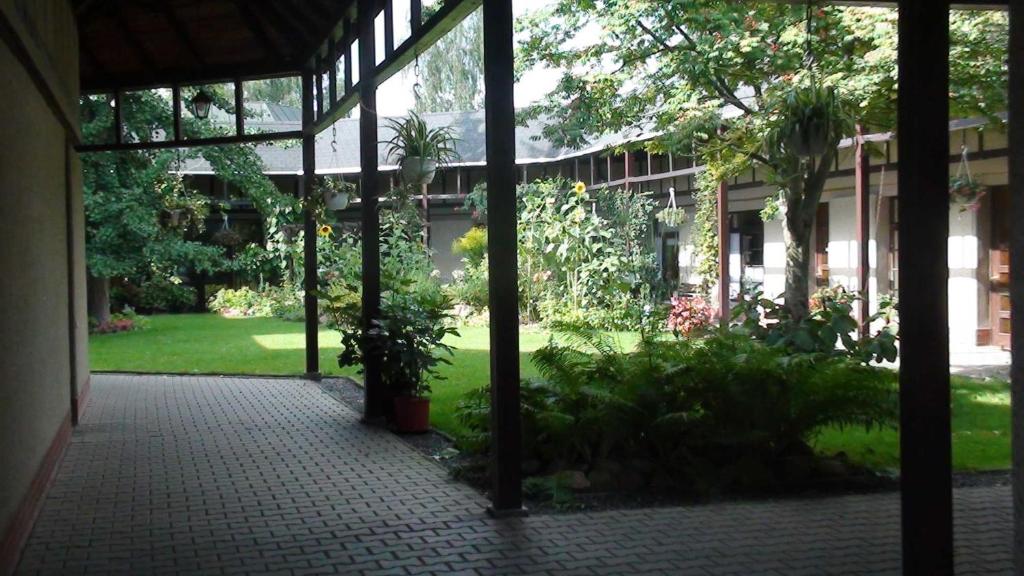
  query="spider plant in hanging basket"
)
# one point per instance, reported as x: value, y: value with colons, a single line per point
x: 966, y: 192
x: 419, y: 149
x: 671, y: 216
x: 810, y: 120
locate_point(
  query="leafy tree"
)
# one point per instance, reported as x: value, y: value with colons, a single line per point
x: 452, y: 71
x: 718, y: 79
x: 130, y: 197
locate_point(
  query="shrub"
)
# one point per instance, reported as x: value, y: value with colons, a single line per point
x: 689, y: 315
x: 161, y: 294
x: 125, y: 321
x: 241, y: 302
x: 469, y: 286
x: 472, y: 245
x: 719, y: 412
x: 284, y: 302
x: 829, y: 329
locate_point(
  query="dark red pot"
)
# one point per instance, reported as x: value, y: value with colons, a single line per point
x: 412, y: 415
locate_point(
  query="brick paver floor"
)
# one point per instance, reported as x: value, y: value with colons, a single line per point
x: 189, y: 475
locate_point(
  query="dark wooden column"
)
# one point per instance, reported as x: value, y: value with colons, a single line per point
x: 309, y: 228
x: 375, y: 406
x: 862, y: 175
x: 506, y: 440
x: 1016, y: 164
x: 925, y: 442
x: 723, y: 253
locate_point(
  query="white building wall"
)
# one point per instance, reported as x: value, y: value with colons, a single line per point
x: 774, y: 260
x: 843, y: 249
x: 963, y: 278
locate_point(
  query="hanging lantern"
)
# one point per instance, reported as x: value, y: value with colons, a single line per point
x: 200, y: 104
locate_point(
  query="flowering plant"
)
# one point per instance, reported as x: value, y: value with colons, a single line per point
x: 689, y: 315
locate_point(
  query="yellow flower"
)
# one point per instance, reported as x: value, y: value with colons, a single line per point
x: 579, y: 188
x: 325, y: 231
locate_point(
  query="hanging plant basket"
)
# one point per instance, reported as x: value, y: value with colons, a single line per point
x: 227, y: 237
x: 417, y: 170
x: 807, y: 115
x: 419, y: 149
x: 336, y: 193
x: 672, y: 215
x: 964, y: 191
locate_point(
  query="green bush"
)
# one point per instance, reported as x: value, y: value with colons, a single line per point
x: 469, y: 286
x: 284, y: 302
x: 161, y: 294
x: 829, y: 329
x: 472, y: 245
x: 723, y: 412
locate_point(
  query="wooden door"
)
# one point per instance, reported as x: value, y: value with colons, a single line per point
x: 999, y: 268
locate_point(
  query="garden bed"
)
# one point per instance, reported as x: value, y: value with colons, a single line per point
x: 441, y: 448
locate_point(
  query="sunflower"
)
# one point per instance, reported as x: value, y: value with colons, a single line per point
x: 579, y: 188
x: 325, y: 231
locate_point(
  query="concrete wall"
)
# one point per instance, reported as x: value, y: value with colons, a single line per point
x: 38, y: 376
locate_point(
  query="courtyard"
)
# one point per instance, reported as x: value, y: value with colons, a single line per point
x: 196, y: 474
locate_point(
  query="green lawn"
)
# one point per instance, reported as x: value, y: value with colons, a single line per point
x: 207, y: 343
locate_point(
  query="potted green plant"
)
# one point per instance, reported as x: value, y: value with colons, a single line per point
x: 419, y: 149
x: 336, y: 193
x: 408, y: 339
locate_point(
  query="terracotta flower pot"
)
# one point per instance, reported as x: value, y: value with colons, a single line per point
x: 412, y: 415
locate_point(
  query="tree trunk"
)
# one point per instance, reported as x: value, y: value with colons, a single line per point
x: 802, y: 194
x: 98, y: 290
x: 796, y: 235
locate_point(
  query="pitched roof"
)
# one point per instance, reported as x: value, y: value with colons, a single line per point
x: 337, y: 150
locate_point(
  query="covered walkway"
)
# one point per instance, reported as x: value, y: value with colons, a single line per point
x: 197, y: 475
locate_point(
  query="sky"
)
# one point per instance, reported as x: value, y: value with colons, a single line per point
x: 395, y: 97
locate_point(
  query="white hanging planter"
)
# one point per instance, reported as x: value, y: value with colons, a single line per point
x: 417, y: 170
x: 336, y: 200
x: 672, y: 215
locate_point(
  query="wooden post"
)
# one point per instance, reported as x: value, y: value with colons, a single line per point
x: 332, y: 72
x: 176, y: 109
x: 239, y: 108
x: 593, y: 171
x: 375, y: 405
x: 389, y: 28
x: 862, y: 170
x: 416, y: 15
x: 318, y: 78
x: 309, y: 228
x: 923, y: 180
x: 347, y: 47
x: 118, y: 118
x: 425, y: 202
x: 723, y: 253
x: 627, y: 160
x: 506, y: 440
x: 1016, y: 165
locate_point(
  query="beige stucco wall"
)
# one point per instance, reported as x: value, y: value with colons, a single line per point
x: 35, y: 332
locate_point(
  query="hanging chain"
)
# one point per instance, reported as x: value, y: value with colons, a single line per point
x: 417, y: 87
x: 334, y: 138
